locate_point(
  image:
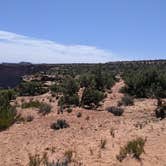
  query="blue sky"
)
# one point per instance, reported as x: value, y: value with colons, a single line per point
x: 82, y: 30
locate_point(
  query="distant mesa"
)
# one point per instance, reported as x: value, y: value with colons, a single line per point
x: 25, y: 63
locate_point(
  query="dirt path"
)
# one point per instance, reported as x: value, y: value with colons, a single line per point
x: 115, y: 96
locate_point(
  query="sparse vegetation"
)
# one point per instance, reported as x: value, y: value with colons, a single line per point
x: 91, y: 98
x: 68, y: 155
x: 44, y: 108
x: 37, y: 160
x: 7, y: 112
x: 60, y: 124
x: 117, y: 111
x: 31, y: 89
x: 134, y: 148
x: 126, y: 101
x: 31, y: 104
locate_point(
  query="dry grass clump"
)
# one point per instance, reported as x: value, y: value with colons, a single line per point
x: 134, y: 148
x: 103, y: 143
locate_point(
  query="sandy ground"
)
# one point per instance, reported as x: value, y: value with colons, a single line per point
x: 84, y: 135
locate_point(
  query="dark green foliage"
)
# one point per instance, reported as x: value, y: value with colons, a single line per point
x: 146, y: 82
x: 69, y: 100
x: 31, y: 89
x: 60, y: 124
x: 70, y: 86
x: 134, y: 148
x: 103, y: 80
x: 91, y: 97
x: 7, y: 117
x: 44, y: 108
x: 117, y: 111
x: 6, y: 96
x: 7, y: 112
x: 56, y: 88
x: 161, y: 110
x: 126, y: 101
x: 87, y: 80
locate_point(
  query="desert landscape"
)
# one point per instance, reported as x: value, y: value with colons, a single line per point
x: 63, y: 116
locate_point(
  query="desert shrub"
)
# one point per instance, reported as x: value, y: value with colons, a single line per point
x: 44, y: 108
x: 161, y: 110
x: 70, y: 86
x: 98, y: 79
x: 37, y: 160
x: 69, y: 110
x: 126, y: 101
x: 79, y: 114
x: 91, y: 97
x: 72, y: 100
x: 69, y: 100
x: 117, y: 111
x: 68, y: 155
x: 7, y: 117
x: 6, y: 96
x: 31, y: 104
x: 146, y: 82
x: 60, y: 124
x: 134, y: 148
x: 87, y: 80
x: 31, y: 89
x: 7, y: 112
x: 55, y: 88
x: 34, y: 160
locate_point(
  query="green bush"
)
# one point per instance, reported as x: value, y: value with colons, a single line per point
x: 69, y: 100
x: 91, y: 97
x: 161, y: 111
x: 134, y: 148
x: 7, y: 117
x: 60, y: 124
x: 6, y: 96
x: 146, y: 82
x: 31, y: 89
x: 7, y: 112
x: 44, y: 108
x: 70, y: 86
x: 55, y: 88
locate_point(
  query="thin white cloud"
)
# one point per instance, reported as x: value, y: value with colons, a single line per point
x: 16, y: 48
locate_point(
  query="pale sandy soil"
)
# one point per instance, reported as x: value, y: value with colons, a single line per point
x: 84, y: 136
